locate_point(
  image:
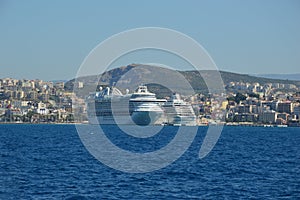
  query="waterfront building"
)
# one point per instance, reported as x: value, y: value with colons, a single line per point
x: 297, y: 111
x: 284, y: 116
x: 244, y: 109
x: 268, y: 117
x: 285, y: 107
x: 245, y: 117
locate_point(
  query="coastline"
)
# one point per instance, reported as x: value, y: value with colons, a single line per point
x: 199, y: 125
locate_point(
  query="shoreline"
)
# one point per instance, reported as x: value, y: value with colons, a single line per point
x: 199, y: 125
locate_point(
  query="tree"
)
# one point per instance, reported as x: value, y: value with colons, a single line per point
x: 239, y: 97
x: 29, y: 115
x: 70, y: 118
x: 230, y: 98
x: 253, y: 95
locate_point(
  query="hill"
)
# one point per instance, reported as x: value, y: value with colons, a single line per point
x: 132, y: 75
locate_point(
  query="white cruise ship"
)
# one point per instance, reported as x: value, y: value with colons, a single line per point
x: 179, y: 112
x: 145, y: 108
x: 99, y: 107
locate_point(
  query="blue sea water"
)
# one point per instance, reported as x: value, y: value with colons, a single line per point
x: 50, y: 162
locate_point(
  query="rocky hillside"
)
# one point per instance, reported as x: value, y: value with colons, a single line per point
x: 128, y: 77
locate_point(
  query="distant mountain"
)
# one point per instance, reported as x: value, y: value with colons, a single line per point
x: 59, y: 81
x: 143, y: 73
x: 294, y: 77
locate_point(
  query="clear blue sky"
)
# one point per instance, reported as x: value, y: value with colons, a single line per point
x: 50, y: 39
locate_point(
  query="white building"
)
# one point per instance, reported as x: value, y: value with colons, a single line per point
x: 41, y: 109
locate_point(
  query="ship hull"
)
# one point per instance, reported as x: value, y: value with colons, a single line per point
x: 144, y: 118
x: 110, y: 120
x: 184, y: 120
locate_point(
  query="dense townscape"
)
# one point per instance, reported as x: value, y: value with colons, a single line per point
x: 34, y: 101
x: 38, y: 101
x: 255, y: 104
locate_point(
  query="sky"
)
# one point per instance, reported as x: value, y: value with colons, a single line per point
x: 49, y: 40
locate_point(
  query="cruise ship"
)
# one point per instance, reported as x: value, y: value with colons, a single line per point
x: 110, y: 106
x: 99, y: 107
x: 145, y: 108
x: 178, y: 112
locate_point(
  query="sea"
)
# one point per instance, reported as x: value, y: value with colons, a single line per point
x: 51, y: 162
